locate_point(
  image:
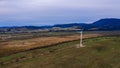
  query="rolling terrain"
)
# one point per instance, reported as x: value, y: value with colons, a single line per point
x: 55, y: 46
x: 106, y: 24
x: 8, y: 47
x: 100, y: 52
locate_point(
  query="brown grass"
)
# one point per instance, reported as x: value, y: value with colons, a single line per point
x: 11, y: 47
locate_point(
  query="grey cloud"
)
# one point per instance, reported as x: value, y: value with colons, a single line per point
x: 30, y: 12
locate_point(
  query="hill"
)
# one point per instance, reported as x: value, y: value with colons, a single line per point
x: 102, y: 24
x: 107, y: 24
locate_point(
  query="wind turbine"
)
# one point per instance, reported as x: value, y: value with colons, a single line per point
x: 81, y: 34
x: 81, y: 40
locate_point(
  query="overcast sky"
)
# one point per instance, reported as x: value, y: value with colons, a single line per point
x: 48, y: 12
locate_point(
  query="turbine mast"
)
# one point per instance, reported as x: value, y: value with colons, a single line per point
x: 81, y: 45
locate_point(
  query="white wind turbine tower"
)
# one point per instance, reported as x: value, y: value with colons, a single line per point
x: 81, y: 34
x: 81, y: 40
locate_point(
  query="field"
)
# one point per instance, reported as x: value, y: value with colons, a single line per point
x: 12, y: 46
x: 100, y: 51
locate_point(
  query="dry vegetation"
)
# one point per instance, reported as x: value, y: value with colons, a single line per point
x: 10, y: 47
x: 100, y: 52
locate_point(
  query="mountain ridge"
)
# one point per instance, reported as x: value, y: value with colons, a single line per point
x: 102, y: 24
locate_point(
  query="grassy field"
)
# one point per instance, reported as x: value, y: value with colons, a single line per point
x: 14, y: 46
x: 100, y: 52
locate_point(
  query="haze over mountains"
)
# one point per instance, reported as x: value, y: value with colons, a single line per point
x: 102, y: 24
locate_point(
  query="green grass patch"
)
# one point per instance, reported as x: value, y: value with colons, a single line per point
x: 101, y: 52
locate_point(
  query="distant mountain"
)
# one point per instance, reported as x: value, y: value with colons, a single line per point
x: 106, y: 24
x: 22, y: 28
x: 74, y: 25
x: 102, y: 24
x: 70, y: 25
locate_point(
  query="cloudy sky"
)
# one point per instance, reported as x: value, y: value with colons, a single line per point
x: 48, y: 12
